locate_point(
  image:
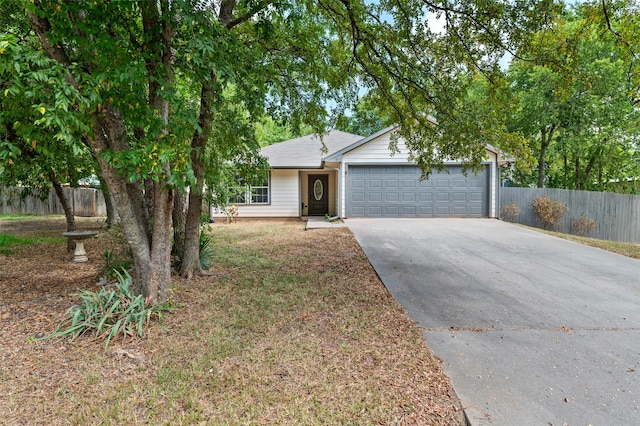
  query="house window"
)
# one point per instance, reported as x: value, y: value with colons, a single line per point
x: 256, y: 193
x: 318, y: 190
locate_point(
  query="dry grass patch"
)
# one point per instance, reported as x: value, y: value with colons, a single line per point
x: 291, y: 327
x: 626, y: 249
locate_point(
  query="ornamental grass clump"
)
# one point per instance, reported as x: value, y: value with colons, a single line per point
x: 550, y: 211
x: 109, y: 313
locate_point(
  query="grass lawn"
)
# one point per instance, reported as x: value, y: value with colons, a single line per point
x: 291, y: 327
x: 625, y: 249
x: 8, y: 240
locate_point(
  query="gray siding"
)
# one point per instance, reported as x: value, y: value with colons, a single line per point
x: 617, y: 215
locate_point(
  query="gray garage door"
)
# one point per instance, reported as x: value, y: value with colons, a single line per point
x: 397, y: 191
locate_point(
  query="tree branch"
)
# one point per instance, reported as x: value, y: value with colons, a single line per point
x: 608, y: 20
x: 42, y: 26
x: 226, y: 11
x: 250, y: 13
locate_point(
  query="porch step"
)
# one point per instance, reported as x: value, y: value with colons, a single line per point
x: 317, y: 222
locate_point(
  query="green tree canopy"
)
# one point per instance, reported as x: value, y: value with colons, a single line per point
x: 163, y: 93
x: 576, y: 87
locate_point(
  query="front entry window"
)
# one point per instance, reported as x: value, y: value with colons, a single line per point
x: 318, y: 190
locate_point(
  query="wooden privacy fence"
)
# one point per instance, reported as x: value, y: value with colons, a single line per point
x: 617, y: 216
x: 87, y: 202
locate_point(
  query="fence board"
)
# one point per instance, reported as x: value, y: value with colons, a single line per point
x: 86, y: 202
x: 617, y: 216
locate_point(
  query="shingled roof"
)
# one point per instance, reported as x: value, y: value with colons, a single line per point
x: 306, y: 152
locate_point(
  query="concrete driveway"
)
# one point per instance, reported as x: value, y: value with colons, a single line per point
x: 531, y: 329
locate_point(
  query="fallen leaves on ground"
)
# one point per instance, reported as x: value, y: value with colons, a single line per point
x: 347, y: 354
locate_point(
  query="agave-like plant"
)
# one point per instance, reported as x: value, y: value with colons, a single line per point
x: 109, y: 313
x: 206, y: 250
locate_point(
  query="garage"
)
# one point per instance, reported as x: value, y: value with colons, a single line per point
x: 397, y: 191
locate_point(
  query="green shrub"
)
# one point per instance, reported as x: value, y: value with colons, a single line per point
x: 550, y: 211
x: 583, y: 225
x: 115, y: 261
x: 118, y: 257
x: 109, y: 313
x: 510, y: 212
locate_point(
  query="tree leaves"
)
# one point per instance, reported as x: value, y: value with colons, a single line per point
x: 573, y: 86
x: 138, y: 82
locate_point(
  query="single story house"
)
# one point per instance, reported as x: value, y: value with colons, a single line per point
x: 352, y: 176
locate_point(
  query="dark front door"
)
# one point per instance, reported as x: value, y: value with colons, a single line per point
x: 318, y: 195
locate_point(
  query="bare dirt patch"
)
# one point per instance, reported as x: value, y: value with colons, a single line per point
x: 291, y: 327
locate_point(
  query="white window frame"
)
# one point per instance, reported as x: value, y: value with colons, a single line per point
x: 249, y: 195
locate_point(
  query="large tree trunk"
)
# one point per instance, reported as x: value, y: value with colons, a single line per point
x: 66, y: 207
x: 157, y: 25
x: 160, y: 256
x: 545, y: 140
x: 179, y: 221
x: 148, y: 234
x: 191, y: 257
x: 191, y: 254
x: 109, y: 202
x: 581, y: 178
x: 541, y: 170
x: 150, y: 243
x: 112, y: 213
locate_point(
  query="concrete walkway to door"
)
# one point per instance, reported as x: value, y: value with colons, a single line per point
x: 532, y: 329
x: 319, y: 222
